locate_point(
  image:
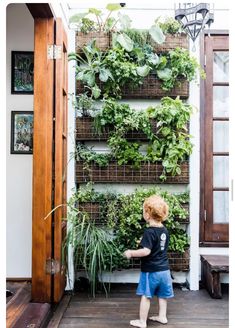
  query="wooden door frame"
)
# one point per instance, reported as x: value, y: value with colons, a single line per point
x: 202, y: 242
x: 44, y: 20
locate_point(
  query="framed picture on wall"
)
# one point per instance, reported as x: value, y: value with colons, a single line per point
x: 21, y: 132
x: 22, y: 68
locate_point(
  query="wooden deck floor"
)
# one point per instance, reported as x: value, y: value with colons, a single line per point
x: 188, y: 309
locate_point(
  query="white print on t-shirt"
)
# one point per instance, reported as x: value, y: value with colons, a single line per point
x: 163, y: 241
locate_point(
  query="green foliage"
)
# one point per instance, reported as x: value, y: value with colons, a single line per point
x: 123, y: 216
x: 170, y: 26
x: 127, y: 63
x: 180, y: 65
x: 93, y: 19
x: 84, y: 105
x: 93, y: 246
x: 172, y: 145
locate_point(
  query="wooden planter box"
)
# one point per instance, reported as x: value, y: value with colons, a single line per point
x: 102, y: 40
x: 85, y: 131
x: 150, y: 89
x: 172, y: 42
x: 114, y: 173
x: 177, y: 261
x: 94, y: 211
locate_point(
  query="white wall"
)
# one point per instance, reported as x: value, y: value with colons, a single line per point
x: 20, y: 36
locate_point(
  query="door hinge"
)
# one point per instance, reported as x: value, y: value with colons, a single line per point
x: 205, y: 60
x: 54, y: 52
x: 205, y: 215
x: 52, y: 266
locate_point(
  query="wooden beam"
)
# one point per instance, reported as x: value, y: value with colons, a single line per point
x: 42, y: 160
x: 40, y: 10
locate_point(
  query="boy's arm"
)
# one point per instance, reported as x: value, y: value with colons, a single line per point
x: 137, y: 253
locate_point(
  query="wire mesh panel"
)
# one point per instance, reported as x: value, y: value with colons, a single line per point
x: 102, y: 40
x: 85, y: 130
x: 98, y: 212
x: 150, y: 89
x: 179, y: 261
x: 114, y: 173
x: 171, y: 42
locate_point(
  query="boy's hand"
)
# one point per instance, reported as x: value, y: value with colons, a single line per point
x: 127, y: 254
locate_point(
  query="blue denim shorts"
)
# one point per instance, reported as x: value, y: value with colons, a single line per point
x: 155, y: 283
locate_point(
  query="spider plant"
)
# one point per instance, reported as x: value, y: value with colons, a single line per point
x: 93, y: 246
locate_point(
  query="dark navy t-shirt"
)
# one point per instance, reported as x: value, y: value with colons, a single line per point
x: 157, y: 240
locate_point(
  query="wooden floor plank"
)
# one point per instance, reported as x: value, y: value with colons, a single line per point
x: 17, y: 304
x: 58, y: 314
x: 34, y: 315
x: 188, y: 309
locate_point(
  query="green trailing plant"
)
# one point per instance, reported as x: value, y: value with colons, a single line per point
x: 170, y: 144
x: 174, y: 145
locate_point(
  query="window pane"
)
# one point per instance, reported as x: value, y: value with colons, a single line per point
x: 220, y: 136
x: 220, y: 171
x: 220, y: 101
x: 220, y: 206
x: 221, y: 66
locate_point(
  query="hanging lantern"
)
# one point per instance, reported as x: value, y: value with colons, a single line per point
x: 194, y: 18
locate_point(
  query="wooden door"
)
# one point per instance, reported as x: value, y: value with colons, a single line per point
x: 49, y: 159
x: 215, y: 142
x: 60, y: 158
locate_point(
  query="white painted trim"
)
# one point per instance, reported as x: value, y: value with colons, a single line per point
x: 70, y: 145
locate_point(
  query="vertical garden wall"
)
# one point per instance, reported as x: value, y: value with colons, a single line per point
x: 118, y: 144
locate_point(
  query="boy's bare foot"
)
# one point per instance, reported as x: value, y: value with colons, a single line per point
x: 138, y: 323
x: 158, y: 319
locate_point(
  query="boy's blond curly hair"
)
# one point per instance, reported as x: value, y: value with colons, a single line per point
x: 156, y: 207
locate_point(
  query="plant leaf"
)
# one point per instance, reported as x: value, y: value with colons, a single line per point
x: 125, y: 21
x: 164, y: 74
x: 153, y: 59
x: 77, y: 18
x: 89, y: 77
x: 104, y: 74
x: 95, y: 11
x: 113, y: 6
x: 96, y: 91
x: 124, y: 40
x: 157, y: 34
x: 143, y: 70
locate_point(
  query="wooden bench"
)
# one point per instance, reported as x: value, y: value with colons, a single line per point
x: 212, y: 266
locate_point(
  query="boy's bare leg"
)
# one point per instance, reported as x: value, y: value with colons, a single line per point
x: 144, y: 310
x: 161, y: 317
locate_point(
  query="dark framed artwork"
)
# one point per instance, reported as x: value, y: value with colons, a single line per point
x: 21, y: 132
x: 22, y: 68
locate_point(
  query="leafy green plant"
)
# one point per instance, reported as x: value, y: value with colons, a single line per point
x: 84, y: 105
x: 93, y: 20
x: 169, y: 25
x: 100, y: 248
x: 91, y: 67
x: 174, y: 146
x: 178, y: 64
